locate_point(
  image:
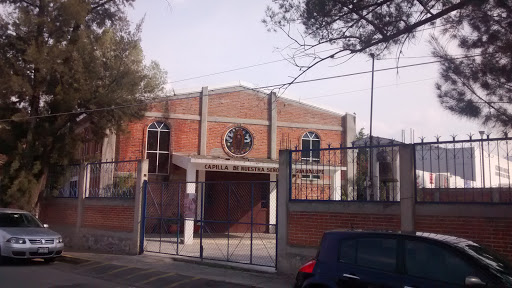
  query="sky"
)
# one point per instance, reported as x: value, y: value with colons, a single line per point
x: 192, y: 38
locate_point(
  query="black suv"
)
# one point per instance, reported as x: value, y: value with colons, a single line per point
x: 350, y: 259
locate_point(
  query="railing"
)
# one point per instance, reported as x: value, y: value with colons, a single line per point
x: 345, y: 173
x: 465, y: 171
x: 62, y: 181
x: 473, y: 170
x: 115, y: 179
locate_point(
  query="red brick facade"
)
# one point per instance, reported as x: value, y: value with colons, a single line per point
x: 226, y: 110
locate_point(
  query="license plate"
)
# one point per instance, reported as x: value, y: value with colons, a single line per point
x: 42, y: 250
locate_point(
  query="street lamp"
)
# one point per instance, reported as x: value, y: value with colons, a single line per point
x: 482, y: 133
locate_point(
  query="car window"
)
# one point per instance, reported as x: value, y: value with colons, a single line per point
x: 348, y: 251
x: 495, y: 262
x: 376, y: 253
x: 429, y: 261
x: 18, y: 220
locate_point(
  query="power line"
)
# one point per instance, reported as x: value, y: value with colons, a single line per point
x: 169, y: 98
x: 247, y: 67
x: 289, y: 58
x: 366, y: 89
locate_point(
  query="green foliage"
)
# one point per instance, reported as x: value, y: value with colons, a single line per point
x: 59, y: 57
x: 477, y: 88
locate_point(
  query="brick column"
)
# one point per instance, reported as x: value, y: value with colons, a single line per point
x: 283, y: 192
x: 82, y: 179
x: 204, y: 121
x: 407, y: 189
x: 142, y: 175
x: 273, y: 125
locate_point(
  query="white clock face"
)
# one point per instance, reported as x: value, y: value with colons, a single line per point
x: 238, y: 141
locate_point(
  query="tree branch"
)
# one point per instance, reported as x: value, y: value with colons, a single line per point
x: 29, y: 3
x: 425, y: 7
x: 370, y: 22
x: 390, y: 37
x: 99, y: 5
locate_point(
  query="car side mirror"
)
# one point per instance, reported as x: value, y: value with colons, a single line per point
x: 46, y: 225
x: 472, y: 281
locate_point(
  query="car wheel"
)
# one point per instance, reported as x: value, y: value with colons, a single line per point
x: 49, y: 260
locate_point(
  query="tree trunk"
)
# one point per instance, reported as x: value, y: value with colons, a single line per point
x: 37, y: 193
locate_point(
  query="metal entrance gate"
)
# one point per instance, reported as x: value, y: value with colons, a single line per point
x: 224, y: 221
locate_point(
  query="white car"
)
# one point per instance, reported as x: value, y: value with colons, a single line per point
x: 23, y: 236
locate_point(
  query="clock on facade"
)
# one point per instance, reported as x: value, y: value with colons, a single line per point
x: 238, y: 141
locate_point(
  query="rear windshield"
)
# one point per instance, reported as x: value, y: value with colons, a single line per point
x: 18, y: 220
x: 494, y: 261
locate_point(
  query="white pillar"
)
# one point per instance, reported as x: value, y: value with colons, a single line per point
x: 189, y: 215
x: 336, y: 187
x: 201, y: 178
x: 272, y: 218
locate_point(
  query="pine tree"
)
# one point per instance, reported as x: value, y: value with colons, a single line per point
x: 476, y: 85
x: 58, y: 57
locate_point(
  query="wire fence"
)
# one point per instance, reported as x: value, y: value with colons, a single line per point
x: 62, y: 181
x: 116, y: 179
x: 224, y: 221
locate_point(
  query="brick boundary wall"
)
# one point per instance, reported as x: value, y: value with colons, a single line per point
x: 495, y: 233
x: 109, y: 217
x: 307, y: 228
x: 106, y: 223
x: 488, y: 225
x: 299, y: 232
x: 59, y: 211
x: 99, y: 224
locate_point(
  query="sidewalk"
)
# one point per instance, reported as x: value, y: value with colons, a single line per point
x: 184, y: 266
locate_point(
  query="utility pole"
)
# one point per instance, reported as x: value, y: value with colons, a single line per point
x: 371, y: 129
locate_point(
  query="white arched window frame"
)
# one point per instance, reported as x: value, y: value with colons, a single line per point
x: 310, y: 146
x: 310, y: 152
x: 157, y: 148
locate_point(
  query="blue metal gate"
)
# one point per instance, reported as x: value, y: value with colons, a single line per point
x: 223, y: 221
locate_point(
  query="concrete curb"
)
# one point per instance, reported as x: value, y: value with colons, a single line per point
x: 223, y: 265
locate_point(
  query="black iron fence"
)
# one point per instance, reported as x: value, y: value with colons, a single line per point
x: 224, y: 221
x: 346, y: 173
x: 472, y: 170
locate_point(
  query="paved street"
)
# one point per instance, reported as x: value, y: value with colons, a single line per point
x: 96, y: 274
x: 39, y: 274
x: 210, y: 273
x: 82, y: 270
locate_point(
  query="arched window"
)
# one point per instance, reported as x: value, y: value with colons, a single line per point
x: 310, y: 140
x: 157, y: 148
